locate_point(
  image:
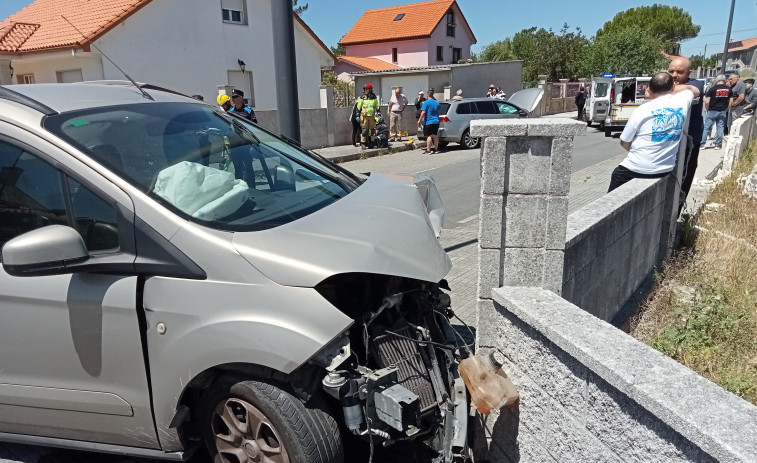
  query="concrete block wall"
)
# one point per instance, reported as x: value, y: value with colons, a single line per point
x: 612, y: 247
x: 741, y: 134
x: 591, y: 393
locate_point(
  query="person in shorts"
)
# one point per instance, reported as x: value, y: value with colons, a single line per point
x: 430, y: 118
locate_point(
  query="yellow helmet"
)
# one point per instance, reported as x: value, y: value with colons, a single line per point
x: 223, y: 98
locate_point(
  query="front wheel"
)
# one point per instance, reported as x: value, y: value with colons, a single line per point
x: 608, y: 132
x: 468, y: 141
x: 257, y: 422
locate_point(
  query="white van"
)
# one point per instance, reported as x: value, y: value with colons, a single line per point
x: 626, y: 94
x: 599, y: 101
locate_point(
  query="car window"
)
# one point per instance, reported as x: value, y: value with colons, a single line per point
x: 94, y: 218
x: 463, y: 108
x: 205, y: 165
x: 506, y: 108
x: 31, y: 195
x: 601, y: 89
x: 443, y: 108
x: 486, y: 107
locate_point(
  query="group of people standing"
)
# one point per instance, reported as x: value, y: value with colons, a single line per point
x: 725, y: 101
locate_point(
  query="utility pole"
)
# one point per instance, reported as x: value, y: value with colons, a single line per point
x: 728, y: 37
x: 285, y: 67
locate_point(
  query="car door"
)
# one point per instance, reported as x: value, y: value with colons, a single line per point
x: 506, y: 110
x: 71, y: 357
x: 599, y: 99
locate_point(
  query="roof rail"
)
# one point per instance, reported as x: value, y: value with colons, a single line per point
x: 10, y: 95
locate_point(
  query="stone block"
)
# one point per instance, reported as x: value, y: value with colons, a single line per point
x: 523, y: 267
x: 561, y: 164
x: 494, y: 177
x: 533, y: 405
x: 490, y: 230
x: 552, y: 127
x: 633, y: 433
x: 498, y: 127
x: 569, y: 440
x: 489, y: 271
x: 525, y: 220
x: 528, y: 165
x: 488, y: 323
x: 553, y: 271
x: 557, y: 222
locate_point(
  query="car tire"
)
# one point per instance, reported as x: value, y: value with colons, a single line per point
x: 469, y: 142
x: 284, y: 426
x: 608, y: 132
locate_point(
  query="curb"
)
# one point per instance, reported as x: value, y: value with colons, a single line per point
x: 370, y: 153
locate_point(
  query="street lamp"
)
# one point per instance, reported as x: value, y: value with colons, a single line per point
x: 241, y: 64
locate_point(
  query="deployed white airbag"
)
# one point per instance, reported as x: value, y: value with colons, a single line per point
x: 200, y: 191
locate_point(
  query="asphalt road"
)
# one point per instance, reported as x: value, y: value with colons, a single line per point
x: 456, y: 172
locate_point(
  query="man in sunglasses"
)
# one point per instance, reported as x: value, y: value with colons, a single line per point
x: 495, y: 92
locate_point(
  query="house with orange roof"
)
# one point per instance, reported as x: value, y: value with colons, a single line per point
x: 741, y: 54
x: 191, y: 46
x: 416, y: 35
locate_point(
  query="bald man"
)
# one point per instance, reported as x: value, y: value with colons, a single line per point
x: 680, y: 70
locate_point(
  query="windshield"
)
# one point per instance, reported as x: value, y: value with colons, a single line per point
x: 205, y: 165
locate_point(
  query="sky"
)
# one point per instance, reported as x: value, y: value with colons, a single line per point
x: 493, y: 20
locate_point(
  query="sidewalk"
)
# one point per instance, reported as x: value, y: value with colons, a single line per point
x: 347, y: 153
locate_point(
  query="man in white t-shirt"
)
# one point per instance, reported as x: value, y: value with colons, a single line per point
x: 654, y: 131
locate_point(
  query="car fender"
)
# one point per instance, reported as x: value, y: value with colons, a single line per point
x: 193, y: 326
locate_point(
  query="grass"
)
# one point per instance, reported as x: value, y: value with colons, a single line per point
x: 704, y: 310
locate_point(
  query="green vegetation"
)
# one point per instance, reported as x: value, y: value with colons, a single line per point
x: 631, y: 43
x: 704, y: 310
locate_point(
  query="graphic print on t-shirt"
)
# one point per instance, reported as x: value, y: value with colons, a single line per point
x: 722, y: 93
x: 667, y: 124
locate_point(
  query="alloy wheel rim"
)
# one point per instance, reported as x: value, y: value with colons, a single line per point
x: 243, y: 434
x: 470, y: 142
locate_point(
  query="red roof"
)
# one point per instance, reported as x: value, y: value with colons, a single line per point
x: 369, y: 64
x: 40, y: 26
x: 419, y: 21
x: 742, y: 45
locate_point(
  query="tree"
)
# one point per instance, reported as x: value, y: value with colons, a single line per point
x: 700, y: 60
x: 542, y: 51
x: 631, y: 50
x: 338, y: 50
x: 669, y: 24
x: 299, y: 9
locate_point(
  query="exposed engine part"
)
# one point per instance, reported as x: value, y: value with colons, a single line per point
x: 334, y: 354
x: 395, y: 405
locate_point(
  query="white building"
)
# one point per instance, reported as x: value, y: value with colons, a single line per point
x: 191, y: 46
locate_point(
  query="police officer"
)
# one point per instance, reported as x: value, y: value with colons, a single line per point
x: 237, y: 97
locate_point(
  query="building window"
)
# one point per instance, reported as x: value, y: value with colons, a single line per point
x: 440, y: 53
x: 457, y: 55
x: 26, y: 79
x: 450, y: 23
x: 399, y: 16
x: 233, y: 11
x: 394, y: 55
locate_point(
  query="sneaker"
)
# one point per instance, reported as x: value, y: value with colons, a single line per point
x: 427, y: 152
x: 433, y: 151
x: 719, y: 147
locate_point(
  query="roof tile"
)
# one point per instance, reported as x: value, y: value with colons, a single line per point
x: 40, y: 26
x: 369, y: 64
x: 419, y: 20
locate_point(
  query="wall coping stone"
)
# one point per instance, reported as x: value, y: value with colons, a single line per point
x: 605, y: 207
x: 548, y: 127
x: 718, y: 422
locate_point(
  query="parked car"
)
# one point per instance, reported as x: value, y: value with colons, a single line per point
x: 174, y: 277
x: 455, y: 115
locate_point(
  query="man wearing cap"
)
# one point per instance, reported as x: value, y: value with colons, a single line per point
x: 368, y: 106
x: 237, y: 97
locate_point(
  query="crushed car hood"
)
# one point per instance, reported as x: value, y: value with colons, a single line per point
x: 389, y: 226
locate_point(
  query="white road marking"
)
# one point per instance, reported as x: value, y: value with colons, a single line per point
x: 468, y: 219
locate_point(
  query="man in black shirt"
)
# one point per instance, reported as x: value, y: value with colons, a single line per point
x: 716, y: 101
x: 237, y: 97
x: 680, y: 70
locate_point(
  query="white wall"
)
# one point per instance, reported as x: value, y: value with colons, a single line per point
x: 44, y: 67
x: 410, y: 53
x: 463, y: 39
x: 184, y: 45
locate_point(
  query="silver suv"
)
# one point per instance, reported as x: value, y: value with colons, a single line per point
x: 455, y: 116
x: 174, y: 277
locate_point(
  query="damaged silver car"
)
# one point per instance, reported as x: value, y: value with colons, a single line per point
x: 175, y: 278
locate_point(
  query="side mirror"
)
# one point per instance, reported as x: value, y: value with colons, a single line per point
x: 45, y: 251
x: 522, y: 113
x: 284, y: 178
